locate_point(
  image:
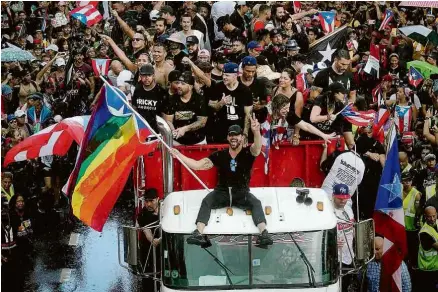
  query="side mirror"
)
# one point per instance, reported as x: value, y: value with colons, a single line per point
x: 128, y: 236
x: 364, y: 242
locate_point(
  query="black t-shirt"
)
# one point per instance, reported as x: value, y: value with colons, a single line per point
x: 216, y: 78
x: 259, y: 93
x: 339, y: 124
x: 186, y: 113
x: 328, y: 76
x: 235, y: 173
x: 149, y: 103
x: 231, y: 114
x: 365, y: 144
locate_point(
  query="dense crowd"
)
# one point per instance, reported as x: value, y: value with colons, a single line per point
x: 205, y: 66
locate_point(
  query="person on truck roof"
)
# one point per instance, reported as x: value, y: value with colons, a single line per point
x: 234, y: 167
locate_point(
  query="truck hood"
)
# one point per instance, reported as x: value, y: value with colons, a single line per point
x: 331, y: 288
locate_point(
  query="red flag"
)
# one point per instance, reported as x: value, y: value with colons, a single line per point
x: 297, y: 6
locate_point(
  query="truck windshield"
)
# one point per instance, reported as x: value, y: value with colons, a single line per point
x: 248, y: 266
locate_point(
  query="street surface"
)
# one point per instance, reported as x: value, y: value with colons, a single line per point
x: 76, y: 258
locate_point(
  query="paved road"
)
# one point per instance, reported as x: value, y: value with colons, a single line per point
x: 77, y: 258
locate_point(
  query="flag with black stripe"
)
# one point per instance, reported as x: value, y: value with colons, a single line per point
x: 324, y: 49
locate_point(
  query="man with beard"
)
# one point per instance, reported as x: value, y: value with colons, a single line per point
x: 149, y: 215
x: 162, y: 68
x: 237, y: 18
x: 373, y: 155
x: 80, y: 66
x: 186, y: 113
x: 233, y: 103
x: 192, y: 47
x: 234, y: 173
x: 279, y: 12
x: 276, y: 49
x: 336, y: 73
x: 160, y: 28
x: 148, y: 97
x: 425, y: 179
x: 427, y: 254
x: 258, y: 88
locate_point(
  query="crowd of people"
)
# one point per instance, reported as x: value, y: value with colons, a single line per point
x: 206, y: 66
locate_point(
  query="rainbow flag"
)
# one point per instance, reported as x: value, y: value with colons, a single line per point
x: 113, y: 140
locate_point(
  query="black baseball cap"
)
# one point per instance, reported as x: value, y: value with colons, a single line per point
x: 192, y: 40
x: 406, y: 176
x: 337, y: 87
x: 274, y: 32
x: 150, y: 194
x: 147, y: 69
x: 187, y: 77
x: 174, y: 75
x: 235, y: 130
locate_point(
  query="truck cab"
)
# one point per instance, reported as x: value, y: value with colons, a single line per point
x: 304, y: 253
x: 302, y: 222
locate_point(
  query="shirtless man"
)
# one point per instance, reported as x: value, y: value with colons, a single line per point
x: 162, y: 68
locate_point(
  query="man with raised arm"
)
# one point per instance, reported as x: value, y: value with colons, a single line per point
x: 234, y: 168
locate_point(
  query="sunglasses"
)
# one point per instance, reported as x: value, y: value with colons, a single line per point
x: 137, y: 40
x: 13, y: 121
x: 233, y: 165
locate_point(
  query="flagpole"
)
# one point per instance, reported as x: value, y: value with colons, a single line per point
x: 153, y: 132
x: 350, y: 103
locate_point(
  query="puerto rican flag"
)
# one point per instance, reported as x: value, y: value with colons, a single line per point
x: 389, y: 15
x: 101, y: 66
x: 327, y: 19
x: 301, y: 82
x: 53, y: 140
x: 88, y: 15
x: 403, y: 117
x: 358, y: 118
x: 86, y: 3
x: 415, y: 77
x: 389, y: 218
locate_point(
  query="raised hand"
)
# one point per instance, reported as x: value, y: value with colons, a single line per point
x: 255, y: 125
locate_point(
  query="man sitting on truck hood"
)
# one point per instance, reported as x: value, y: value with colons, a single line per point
x: 234, y: 167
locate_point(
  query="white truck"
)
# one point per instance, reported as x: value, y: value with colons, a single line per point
x: 304, y: 256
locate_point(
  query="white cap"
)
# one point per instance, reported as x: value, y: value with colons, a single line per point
x: 19, y: 113
x: 241, y: 2
x: 154, y: 15
x: 57, y: 118
x: 60, y: 62
x: 52, y: 47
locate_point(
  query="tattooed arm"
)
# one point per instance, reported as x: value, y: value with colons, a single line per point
x: 203, y: 164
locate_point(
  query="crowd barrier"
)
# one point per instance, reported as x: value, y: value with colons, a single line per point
x: 285, y: 164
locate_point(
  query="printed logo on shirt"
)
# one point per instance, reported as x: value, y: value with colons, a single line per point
x: 147, y: 104
x: 231, y: 111
x: 184, y: 115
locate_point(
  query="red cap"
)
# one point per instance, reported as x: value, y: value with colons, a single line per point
x: 387, y: 78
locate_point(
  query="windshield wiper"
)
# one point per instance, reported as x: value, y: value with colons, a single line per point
x: 222, y: 265
x: 310, y: 269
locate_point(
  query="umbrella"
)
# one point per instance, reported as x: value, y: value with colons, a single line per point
x: 425, y: 68
x: 426, y: 4
x: 420, y: 33
x: 15, y: 54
